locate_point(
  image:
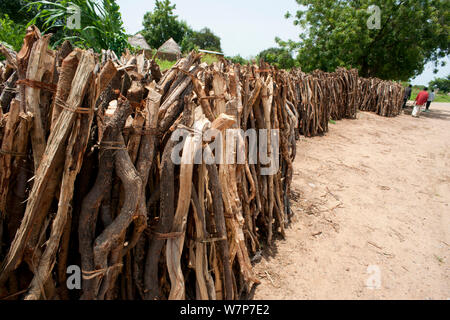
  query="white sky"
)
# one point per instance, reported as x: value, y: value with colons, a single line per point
x: 246, y: 27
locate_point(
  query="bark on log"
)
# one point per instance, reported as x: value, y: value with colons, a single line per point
x: 56, y: 141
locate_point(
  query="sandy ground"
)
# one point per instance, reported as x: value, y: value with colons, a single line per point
x: 372, y: 213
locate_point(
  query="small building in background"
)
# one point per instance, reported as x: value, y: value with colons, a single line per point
x: 138, y: 42
x: 170, y: 51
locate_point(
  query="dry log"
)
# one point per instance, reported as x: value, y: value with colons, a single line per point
x: 41, y: 62
x: 56, y: 141
x: 167, y: 212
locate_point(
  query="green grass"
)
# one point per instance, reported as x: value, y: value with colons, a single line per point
x: 442, y: 97
x: 164, y: 64
x: 209, y: 58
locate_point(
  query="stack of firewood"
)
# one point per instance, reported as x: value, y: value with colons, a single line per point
x: 385, y: 98
x: 88, y: 176
x: 324, y: 96
x: 131, y: 176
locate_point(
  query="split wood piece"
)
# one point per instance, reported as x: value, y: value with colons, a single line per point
x: 190, y: 66
x: 155, y: 71
x: 144, y: 164
x: 169, y: 77
x: 74, y: 158
x: 167, y: 212
x: 93, y: 200
x: 41, y: 62
x: 204, y: 102
x: 267, y: 100
x: 14, y: 145
x: 8, y: 93
x: 233, y: 209
x: 56, y: 142
x: 106, y: 76
x: 10, y: 55
x: 251, y: 102
x: 135, y: 96
x: 66, y: 75
x: 145, y: 160
x: 32, y: 35
x: 174, y: 96
x: 113, y: 234
x: 7, y: 154
x: 16, y: 199
x: 216, y: 192
x: 175, y: 110
x: 174, y: 247
x: 200, y: 261
x: 219, y: 87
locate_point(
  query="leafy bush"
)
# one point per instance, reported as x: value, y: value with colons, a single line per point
x: 101, y: 23
x: 11, y: 33
x: 443, y: 84
x: 279, y: 57
x: 14, y: 9
x: 238, y: 59
x: 204, y: 39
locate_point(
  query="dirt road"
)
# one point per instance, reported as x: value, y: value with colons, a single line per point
x: 373, y: 217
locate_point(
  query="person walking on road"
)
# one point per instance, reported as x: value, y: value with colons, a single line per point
x: 408, y: 92
x: 421, y: 100
x: 431, y: 98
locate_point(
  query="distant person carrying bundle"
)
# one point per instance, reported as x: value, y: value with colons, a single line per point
x: 421, y: 100
x: 431, y: 98
x: 408, y: 92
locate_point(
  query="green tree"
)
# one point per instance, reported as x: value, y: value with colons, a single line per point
x: 15, y: 10
x: 101, y: 24
x: 204, y: 39
x: 238, y: 59
x: 443, y: 84
x: 336, y: 33
x: 11, y: 33
x: 162, y: 24
x: 279, y: 57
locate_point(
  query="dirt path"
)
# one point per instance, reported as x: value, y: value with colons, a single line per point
x: 372, y: 207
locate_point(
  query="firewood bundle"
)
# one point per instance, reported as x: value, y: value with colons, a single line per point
x: 385, y: 98
x: 340, y: 92
x: 88, y: 176
x: 324, y: 96
x: 311, y: 94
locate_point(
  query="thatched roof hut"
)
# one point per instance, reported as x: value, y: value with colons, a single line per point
x: 138, y: 41
x: 170, y: 51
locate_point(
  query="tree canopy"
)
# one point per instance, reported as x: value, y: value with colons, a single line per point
x: 443, y: 84
x: 336, y: 34
x: 238, y: 59
x: 16, y: 11
x: 11, y: 34
x: 279, y: 57
x: 162, y: 24
x: 203, y: 39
